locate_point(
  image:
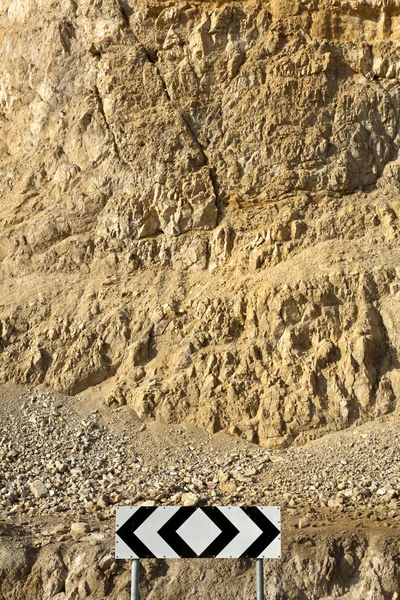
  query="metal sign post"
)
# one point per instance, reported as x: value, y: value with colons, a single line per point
x: 135, y: 579
x: 198, y: 532
x: 260, y: 578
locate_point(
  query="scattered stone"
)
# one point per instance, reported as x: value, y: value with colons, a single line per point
x: 97, y: 470
x: 190, y: 499
x: 333, y: 503
x: 106, y: 562
x: 103, y: 501
x: 304, y: 522
x: 59, y: 529
x: 38, y: 489
x: 79, y: 530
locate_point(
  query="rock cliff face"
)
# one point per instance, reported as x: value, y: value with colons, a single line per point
x: 200, y: 208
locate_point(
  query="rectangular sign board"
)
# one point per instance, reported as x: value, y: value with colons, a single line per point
x: 198, y: 532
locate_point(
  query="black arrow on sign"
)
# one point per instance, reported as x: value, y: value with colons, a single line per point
x: 169, y: 535
x: 169, y: 532
x: 228, y: 532
x: 127, y: 532
x: 268, y: 532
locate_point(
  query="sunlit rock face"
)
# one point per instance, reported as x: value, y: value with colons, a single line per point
x: 199, y: 208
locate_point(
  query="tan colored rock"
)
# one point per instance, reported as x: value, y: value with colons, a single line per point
x: 38, y: 489
x: 103, y: 501
x: 189, y: 499
x: 79, y: 530
x: 199, y: 210
x: 106, y: 562
x: 304, y: 522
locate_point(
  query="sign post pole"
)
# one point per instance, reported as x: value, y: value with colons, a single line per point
x: 260, y: 578
x: 135, y: 579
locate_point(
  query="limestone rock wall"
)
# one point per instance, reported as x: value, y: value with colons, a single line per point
x: 343, y: 565
x: 199, y: 208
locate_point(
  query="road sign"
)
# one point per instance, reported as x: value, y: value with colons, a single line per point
x: 198, y: 532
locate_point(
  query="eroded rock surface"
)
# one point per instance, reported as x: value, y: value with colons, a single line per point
x: 199, y: 209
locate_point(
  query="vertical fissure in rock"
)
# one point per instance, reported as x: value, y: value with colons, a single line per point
x: 190, y: 128
x: 124, y: 12
x: 211, y: 170
x: 218, y: 200
x: 103, y: 114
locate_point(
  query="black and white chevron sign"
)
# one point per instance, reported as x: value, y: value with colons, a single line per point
x: 198, y: 532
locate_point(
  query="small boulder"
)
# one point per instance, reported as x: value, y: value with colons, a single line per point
x: 38, y: 489
x: 190, y: 499
x: 103, y: 501
x: 304, y: 522
x: 79, y: 529
x: 106, y: 562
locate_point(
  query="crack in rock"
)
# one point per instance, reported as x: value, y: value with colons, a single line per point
x: 100, y: 106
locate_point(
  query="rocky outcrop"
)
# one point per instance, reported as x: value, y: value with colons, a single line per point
x: 345, y: 565
x: 199, y: 209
